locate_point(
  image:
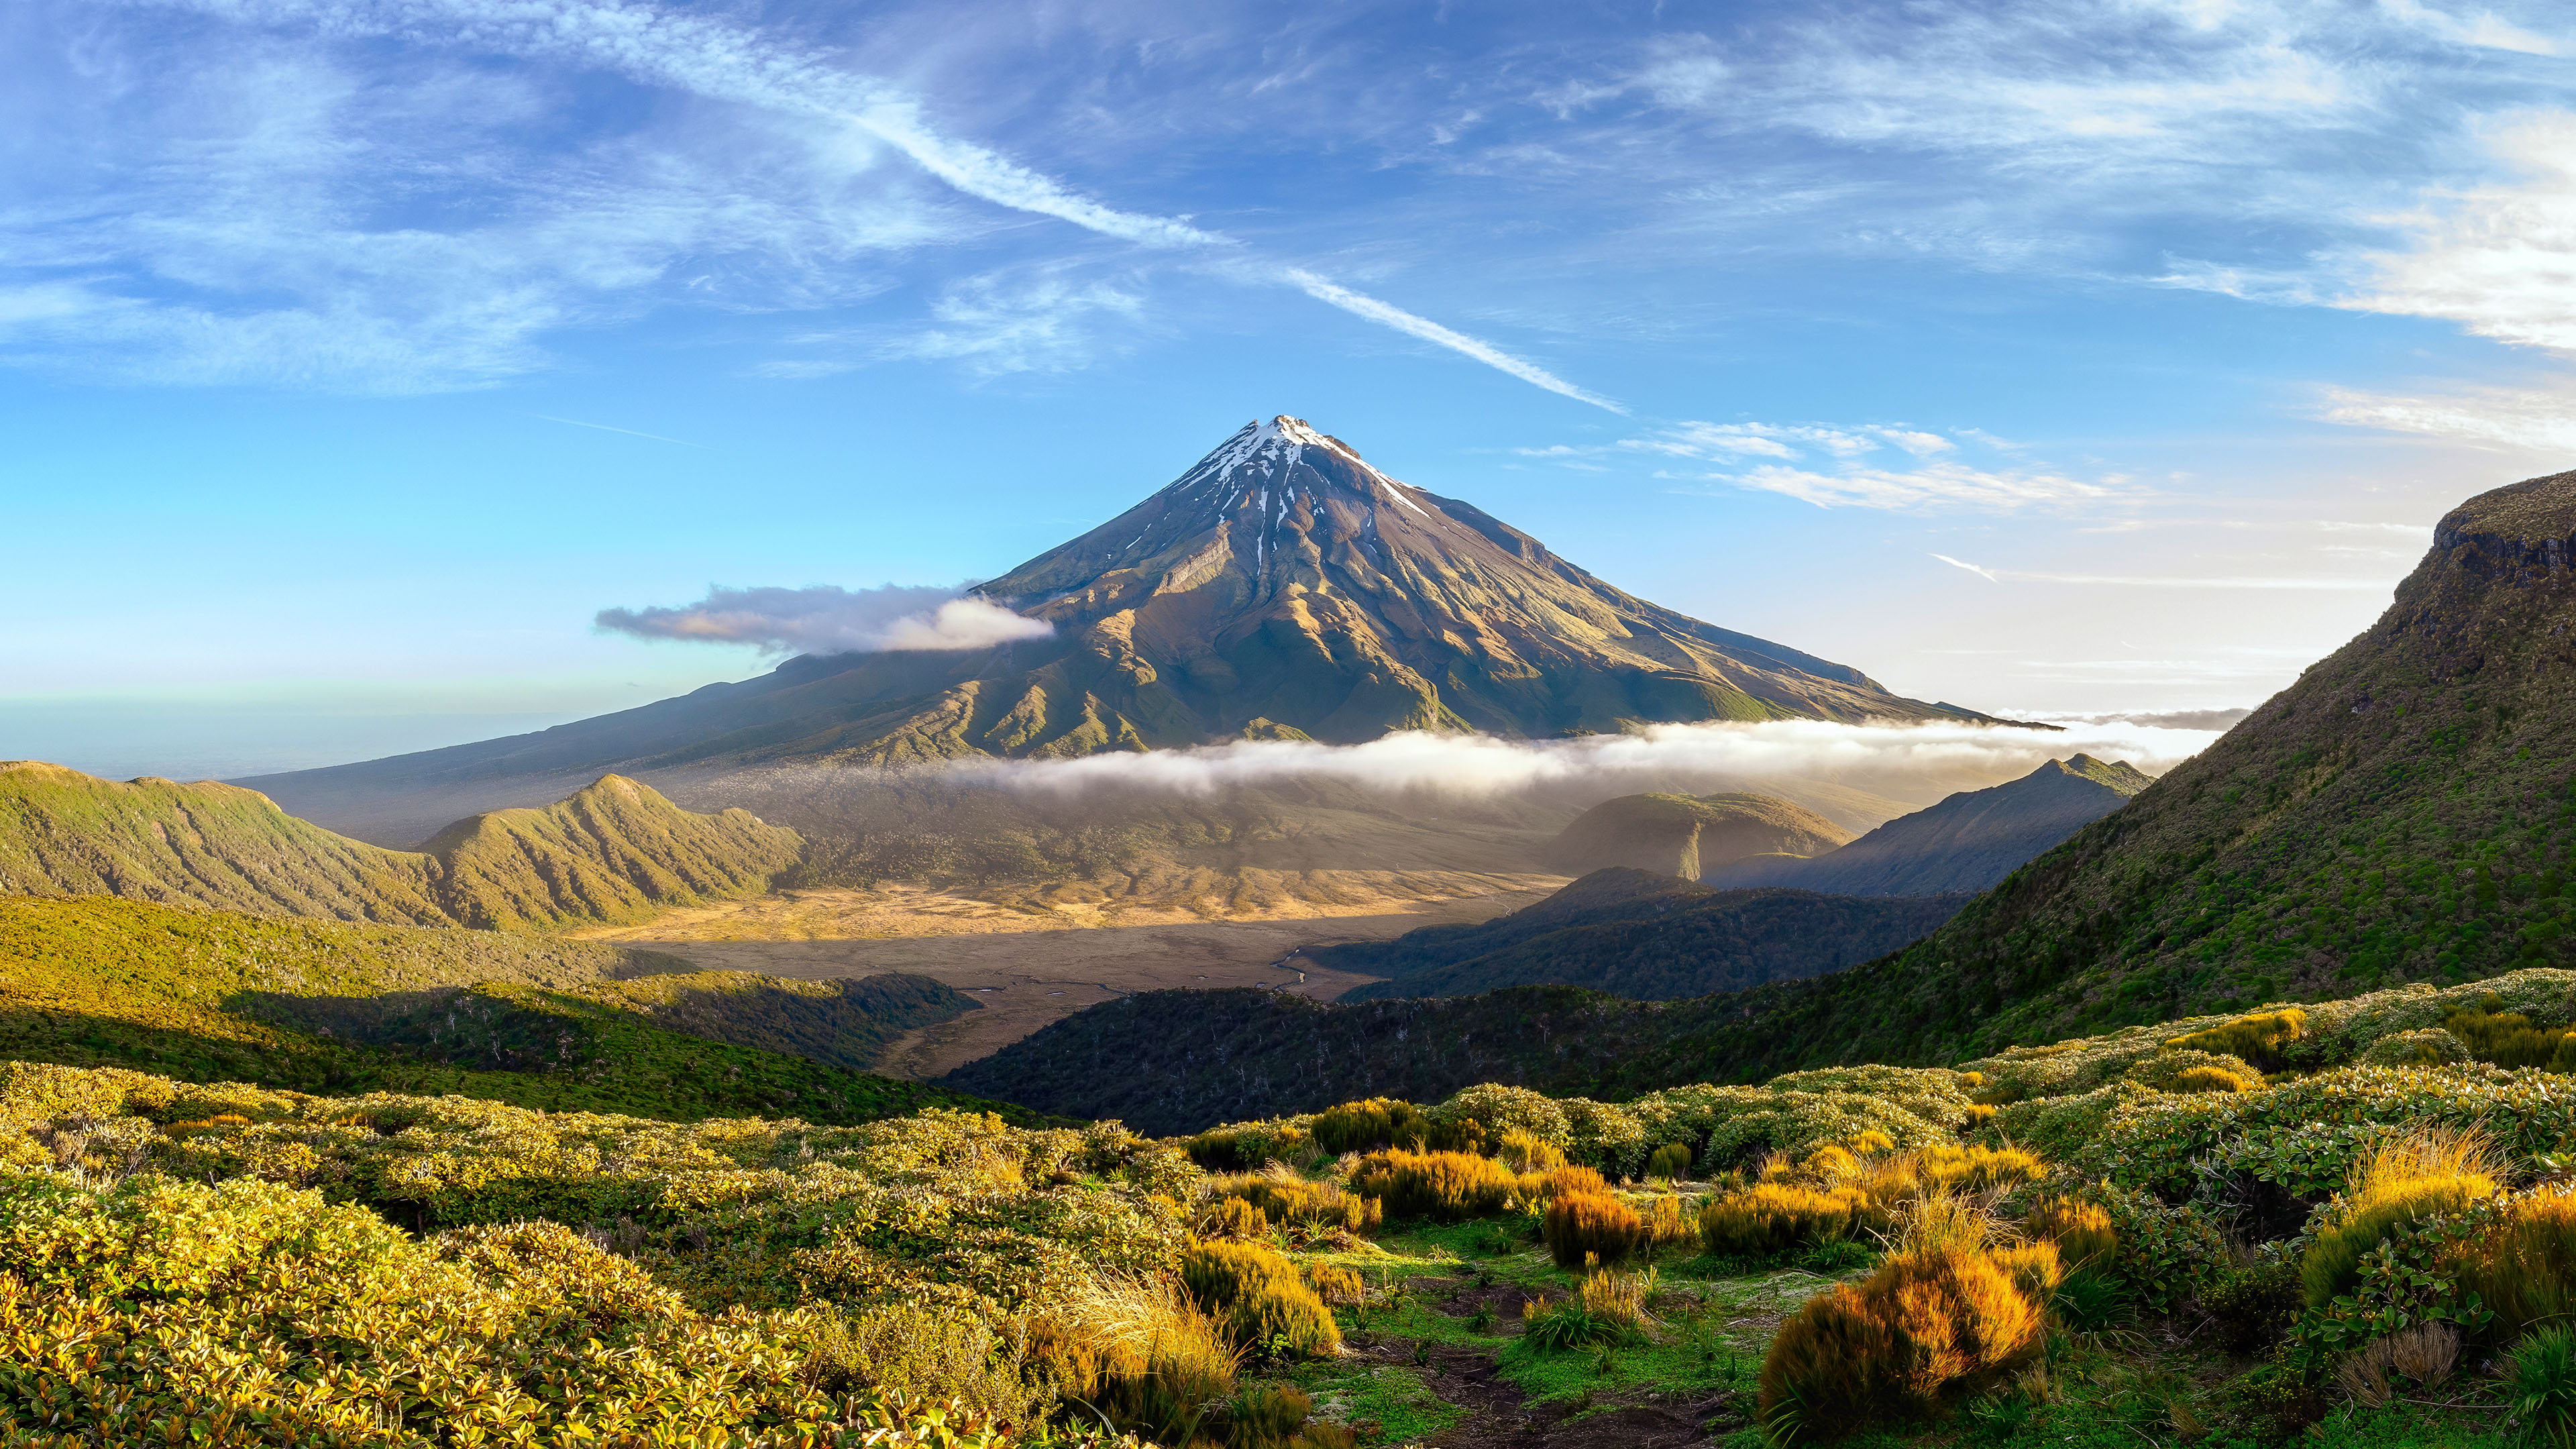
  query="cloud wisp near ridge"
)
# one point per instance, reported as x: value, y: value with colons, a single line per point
x: 825, y: 619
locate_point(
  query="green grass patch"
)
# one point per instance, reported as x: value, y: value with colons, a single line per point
x: 1384, y: 1403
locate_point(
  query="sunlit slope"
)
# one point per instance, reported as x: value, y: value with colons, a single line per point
x: 211, y: 996
x: 66, y: 833
x: 611, y: 852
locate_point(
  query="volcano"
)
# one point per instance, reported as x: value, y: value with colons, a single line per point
x: 1281, y: 588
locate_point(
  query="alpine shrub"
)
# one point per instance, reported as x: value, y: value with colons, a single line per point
x: 1259, y: 1299
x: 2035, y: 1268
x: 1373, y: 1123
x: 1526, y: 1151
x: 2081, y: 1231
x: 1670, y: 1161
x: 1771, y: 1218
x: 1447, y: 1186
x: 2522, y: 1264
x: 2433, y: 1170
x: 2258, y: 1038
x: 2431, y: 1047
x: 1232, y: 1217
x: 1926, y: 1329
x: 1581, y: 1225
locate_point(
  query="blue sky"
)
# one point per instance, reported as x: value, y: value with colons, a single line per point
x: 2051, y: 357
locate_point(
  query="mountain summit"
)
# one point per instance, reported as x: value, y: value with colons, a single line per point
x: 1284, y: 585
x: 1281, y: 588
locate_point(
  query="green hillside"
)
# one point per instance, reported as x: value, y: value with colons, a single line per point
x: 1687, y: 835
x: 614, y: 851
x: 65, y: 833
x: 2403, y: 812
x: 211, y: 996
x: 1634, y: 933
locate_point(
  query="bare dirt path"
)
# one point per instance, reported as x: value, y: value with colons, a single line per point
x: 1027, y: 978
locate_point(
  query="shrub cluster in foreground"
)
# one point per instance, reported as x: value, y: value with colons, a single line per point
x: 228, y: 1264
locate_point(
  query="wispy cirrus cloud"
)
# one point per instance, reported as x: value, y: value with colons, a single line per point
x: 1845, y: 467
x: 362, y: 316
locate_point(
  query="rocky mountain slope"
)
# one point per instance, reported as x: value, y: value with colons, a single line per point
x: 613, y: 851
x: 1640, y: 934
x: 1964, y: 844
x: 1688, y: 835
x: 1280, y: 588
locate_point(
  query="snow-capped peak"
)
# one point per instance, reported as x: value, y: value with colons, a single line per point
x: 1270, y: 448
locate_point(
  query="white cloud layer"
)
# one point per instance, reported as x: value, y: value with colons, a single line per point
x: 828, y: 620
x: 1893, y: 759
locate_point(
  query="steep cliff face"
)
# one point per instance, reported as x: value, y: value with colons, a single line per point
x: 1281, y: 588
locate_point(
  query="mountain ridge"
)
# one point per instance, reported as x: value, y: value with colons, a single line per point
x: 1964, y: 844
x: 610, y: 852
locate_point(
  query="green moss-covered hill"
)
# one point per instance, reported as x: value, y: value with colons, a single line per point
x: 614, y: 851
x: 209, y: 996
x: 1688, y: 835
x: 1966, y: 843
x: 1639, y: 934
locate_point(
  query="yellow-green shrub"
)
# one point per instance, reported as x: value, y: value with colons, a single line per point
x: 2212, y: 1079
x: 1137, y: 1350
x: 1372, y: 1123
x: 186, y: 1299
x: 2509, y: 1039
x: 1831, y: 1164
x: 2035, y: 1268
x: 1232, y: 1217
x: 1525, y: 1151
x: 1670, y: 1161
x: 1574, y: 1180
x: 1443, y: 1185
x: 1258, y: 1297
x: 1591, y: 1224
x: 2081, y: 1232
x: 1667, y: 1225
x: 1773, y: 1217
x: 2522, y: 1265
x: 1338, y: 1286
x: 1977, y: 1166
x: 2258, y: 1037
x: 1924, y: 1330
x: 2434, y: 1170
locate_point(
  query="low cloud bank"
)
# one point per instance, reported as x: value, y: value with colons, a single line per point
x: 828, y: 620
x: 1903, y: 762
